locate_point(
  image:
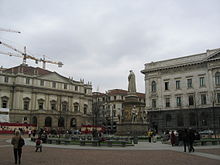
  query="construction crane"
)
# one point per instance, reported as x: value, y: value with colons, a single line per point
x: 60, y: 64
x: 26, y: 56
x: 9, y: 30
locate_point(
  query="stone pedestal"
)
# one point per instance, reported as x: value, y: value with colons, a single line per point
x: 133, y: 120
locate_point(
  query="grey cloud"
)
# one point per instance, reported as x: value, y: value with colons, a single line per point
x: 101, y: 40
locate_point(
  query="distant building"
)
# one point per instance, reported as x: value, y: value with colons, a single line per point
x: 48, y: 99
x: 184, y: 92
x: 107, y: 107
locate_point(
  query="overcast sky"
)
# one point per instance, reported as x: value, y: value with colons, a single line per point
x: 101, y: 40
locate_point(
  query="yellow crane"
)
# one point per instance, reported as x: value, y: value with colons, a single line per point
x: 26, y: 56
x: 9, y: 30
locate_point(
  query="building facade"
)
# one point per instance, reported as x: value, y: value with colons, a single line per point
x: 184, y: 92
x: 108, y: 106
x: 45, y: 98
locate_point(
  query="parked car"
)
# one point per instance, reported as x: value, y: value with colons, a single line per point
x: 206, y: 132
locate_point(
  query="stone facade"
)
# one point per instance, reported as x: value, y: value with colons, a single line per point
x: 38, y: 96
x: 184, y: 92
x: 109, y: 106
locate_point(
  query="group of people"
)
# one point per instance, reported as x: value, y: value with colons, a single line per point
x: 187, y: 137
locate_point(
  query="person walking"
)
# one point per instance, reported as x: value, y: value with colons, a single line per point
x: 191, y: 140
x: 185, y: 138
x: 38, y: 144
x: 172, y: 138
x: 18, y: 142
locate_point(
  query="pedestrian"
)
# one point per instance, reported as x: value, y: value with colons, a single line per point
x: 172, y: 138
x: 34, y: 133
x: 18, y: 142
x: 149, y: 134
x: 185, y: 138
x: 38, y: 144
x: 191, y: 140
x: 29, y: 133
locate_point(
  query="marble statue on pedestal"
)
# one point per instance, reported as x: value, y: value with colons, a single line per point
x: 131, y: 82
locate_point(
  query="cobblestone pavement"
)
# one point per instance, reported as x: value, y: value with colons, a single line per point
x: 215, y: 151
x: 143, y: 153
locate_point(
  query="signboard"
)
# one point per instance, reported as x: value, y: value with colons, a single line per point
x: 4, y: 114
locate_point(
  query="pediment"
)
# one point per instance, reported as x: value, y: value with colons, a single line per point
x: 213, y: 56
x: 55, y: 77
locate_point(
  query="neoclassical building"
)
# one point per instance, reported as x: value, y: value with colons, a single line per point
x: 107, y: 107
x: 184, y: 92
x: 48, y: 99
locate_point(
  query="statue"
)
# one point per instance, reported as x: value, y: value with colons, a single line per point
x: 131, y: 82
x: 134, y: 113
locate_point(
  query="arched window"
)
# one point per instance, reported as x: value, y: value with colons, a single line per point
x: 34, y: 120
x: 76, y: 107
x: 61, y: 122
x: 217, y: 78
x: 25, y: 120
x: 153, y: 86
x: 192, y: 119
x: 73, y: 122
x: 48, y: 122
x: 180, y: 120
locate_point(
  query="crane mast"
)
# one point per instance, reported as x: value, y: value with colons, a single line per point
x: 9, y: 30
x: 26, y: 56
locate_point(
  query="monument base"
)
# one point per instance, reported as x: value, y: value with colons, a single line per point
x: 131, y: 129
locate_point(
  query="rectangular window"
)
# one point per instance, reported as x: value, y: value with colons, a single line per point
x: 27, y: 80
x: 114, y: 97
x: 4, y: 103
x: 178, y: 84
x: 41, y: 105
x: 218, y: 97
x: 203, y: 99
x: 191, y: 100
x: 202, y: 81
x: 154, y: 103
x: 26, y: 105
x: 6, y: 79
x: 64, y: 107
x: 53, y: 106
x: 167, y: 102
x: 54, y: 84
x: 166, y: 85
x: 42, y: 82
x: 178, y: 101
x: 76, y: 88
x: 189, y: 83
x: 65, y: 86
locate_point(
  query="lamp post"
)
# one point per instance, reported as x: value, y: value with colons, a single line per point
x: 111, y: 118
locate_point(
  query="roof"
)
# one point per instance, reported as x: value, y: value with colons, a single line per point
x: 123, y: 92
x: 186, y: 60
x: 29, y: 70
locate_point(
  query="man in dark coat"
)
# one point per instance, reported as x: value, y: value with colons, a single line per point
x: 185, y: 138
x: 191, y: 140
